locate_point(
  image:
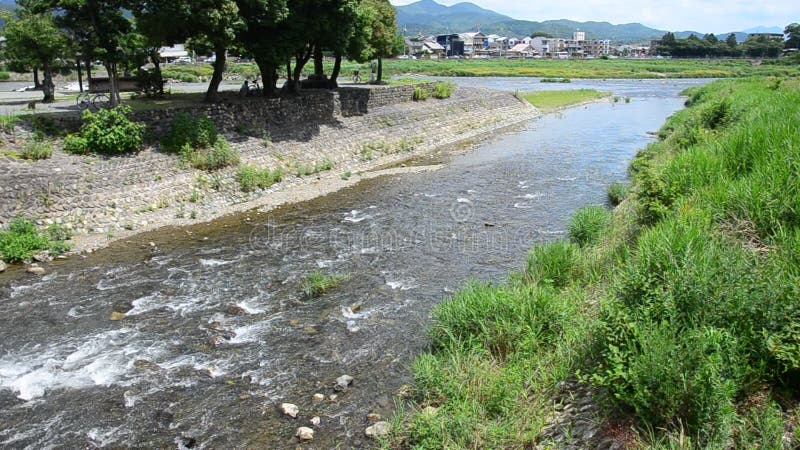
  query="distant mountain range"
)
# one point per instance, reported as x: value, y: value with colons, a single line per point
x: 429, y: 17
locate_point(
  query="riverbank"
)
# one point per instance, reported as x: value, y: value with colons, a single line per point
x: 102, y: 200
x: 668, y: 323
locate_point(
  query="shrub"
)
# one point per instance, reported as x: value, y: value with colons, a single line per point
x: 75, y: 144
x: 109, y: 131
x: 252, y: 178
x: 420, y: 94
x: 588, y: 224
x: 218, y: 156
x: 35, y: 150
x: 617, y: 192
x: 443, y: 90
x: 316, y: 284
x: 197, y: 133
x: 4, y: 76
x: 22, y: 240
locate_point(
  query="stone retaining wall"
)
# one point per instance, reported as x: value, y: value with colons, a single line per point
x: 102, y: 196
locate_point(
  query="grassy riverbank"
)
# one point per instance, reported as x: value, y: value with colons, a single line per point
x: 553, y: 100
x: 679, y: 307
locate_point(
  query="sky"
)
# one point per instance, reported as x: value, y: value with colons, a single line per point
x: 715, y: 16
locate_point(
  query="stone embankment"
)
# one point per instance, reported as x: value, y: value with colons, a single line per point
x: 357, y: 130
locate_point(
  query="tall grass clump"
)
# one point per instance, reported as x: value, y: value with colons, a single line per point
x: 35, y: 150
x: 317, y: 283
x: 588, y: 224
x: 199, y: 144
x: 251, y: 178
x: 443, y: 90
x: 420, y: 94
x: 617, y: 192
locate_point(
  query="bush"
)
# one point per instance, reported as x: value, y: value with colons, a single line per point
x: 197, y: 133
x: 218, y: 156
x: 420, y: 94
x: 443, y: 90
x: 35, y: 150
x: 617, y: 192
x: 75, y: 144
x: 588, y: 224
x: 22, y: 240
x: 317, y: 283
x: 109, y: 131
x: 252, y: 178
x: 4, y: 76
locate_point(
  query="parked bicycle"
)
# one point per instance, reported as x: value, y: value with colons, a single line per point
x: 356, y: 76
x: 94, y: 101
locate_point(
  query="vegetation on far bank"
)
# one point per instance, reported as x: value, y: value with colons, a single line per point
x: 679, y: 307
x: 553, y: 100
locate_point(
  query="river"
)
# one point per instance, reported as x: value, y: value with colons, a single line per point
x: 217, y: 333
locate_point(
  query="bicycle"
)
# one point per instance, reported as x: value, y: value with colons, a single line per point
x: 356, y: 77
x: 255, y: 89
x: 93, y: 101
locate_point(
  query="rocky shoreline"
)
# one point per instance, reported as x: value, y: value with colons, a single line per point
x: 103, y: 200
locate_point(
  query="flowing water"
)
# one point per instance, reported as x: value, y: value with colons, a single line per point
x: 217, y: 332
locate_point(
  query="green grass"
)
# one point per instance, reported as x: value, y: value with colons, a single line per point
x: 553, y: 100
x: 316, y: 284
x: 321, y: 166
x: 251, y: 178
x: 681, y: 306
x: 22, y: 240
x: 35, y: 150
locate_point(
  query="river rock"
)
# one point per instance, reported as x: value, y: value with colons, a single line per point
x: 373, y: 417
x: 42, y: 256
x: 305, y: 434
x: 117, y: 316
x: 344, y: 382
x: 2, y: 266
x: 144, y: 364
x: 290, y: 409
x: 235, y: 310
x: 318, y: 398
x: 315, y: 421
x: 35, y: 269
x: 380, y: 429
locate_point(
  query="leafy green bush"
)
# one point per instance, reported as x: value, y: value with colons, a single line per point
x: 4, y: 76
x: 22, y: 240
x: 588, y: 224
x: 617, y: 192
x: 251, y: 178
x: 109, y: 131
x: 420, y: 94
x: 218, y: 156
x: 316, y: 284
x: 197, y: 133
x: 75, y: 144
x: 444, y: 89
x: 34, y: 150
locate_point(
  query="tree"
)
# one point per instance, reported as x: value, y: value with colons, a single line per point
x: 536, y: 34
x: 711, y: 38
x: 375, y: 34
x: 215, y: 22
x: 263, y: 37
x: 33, y: 38
x: 793, y: 33
x: 731, y: 41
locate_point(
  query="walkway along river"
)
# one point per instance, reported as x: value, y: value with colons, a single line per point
x: 217, y: 333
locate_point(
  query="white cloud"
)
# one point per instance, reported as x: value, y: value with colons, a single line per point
x: 677, y: 15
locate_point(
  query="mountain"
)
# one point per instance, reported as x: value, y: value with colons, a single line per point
x: 428, y: 17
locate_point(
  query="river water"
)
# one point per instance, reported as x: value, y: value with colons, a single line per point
x: 217, y: 333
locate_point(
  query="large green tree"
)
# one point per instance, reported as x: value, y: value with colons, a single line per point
x: 374, y: 33
x: 263, y: 36
x: 214, y: 23
x: 34, y: 39
x: 792, y: 31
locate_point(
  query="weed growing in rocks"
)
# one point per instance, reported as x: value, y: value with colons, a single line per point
x: 617, y: 192
x: 317, y: 283
x: 251, y: 178
x: 22, y: 240
x: 35, y: 150
x: 322, y: 166
x: 443, y: 90
x: 420, y: 94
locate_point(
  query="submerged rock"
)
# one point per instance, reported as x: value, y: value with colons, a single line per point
x: 344, y: 382
x: 117, y: 316
x: 318, y: 398
x: 290, y: 409
x: 315, y: 421
x: 305, y: 434
x: 35, y: 269
x: 235, y: 310
x: 380, y: 429
x: 144, y: 364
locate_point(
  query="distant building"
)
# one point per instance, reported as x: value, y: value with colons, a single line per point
x: 474, y: 43
x: 579, y: 36
x: 522, y: 51
x: 452, y: 43
x: 172, y: 53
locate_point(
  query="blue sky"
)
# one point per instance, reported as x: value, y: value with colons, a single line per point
x: 701, y: 15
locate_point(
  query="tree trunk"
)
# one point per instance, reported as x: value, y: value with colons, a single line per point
x: 289, y: 77
x: 267, y: 77
x: 300, y: 62
x: 36, y: 83
x: 78, y: 64
x: 48, y: 86
x: 319, y: 70
x: 380, y: 70
x: 337, y: 68
x: 159, y: 78
x: 88, y: 70
x: 113, y: 80
x: 219, y: 69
